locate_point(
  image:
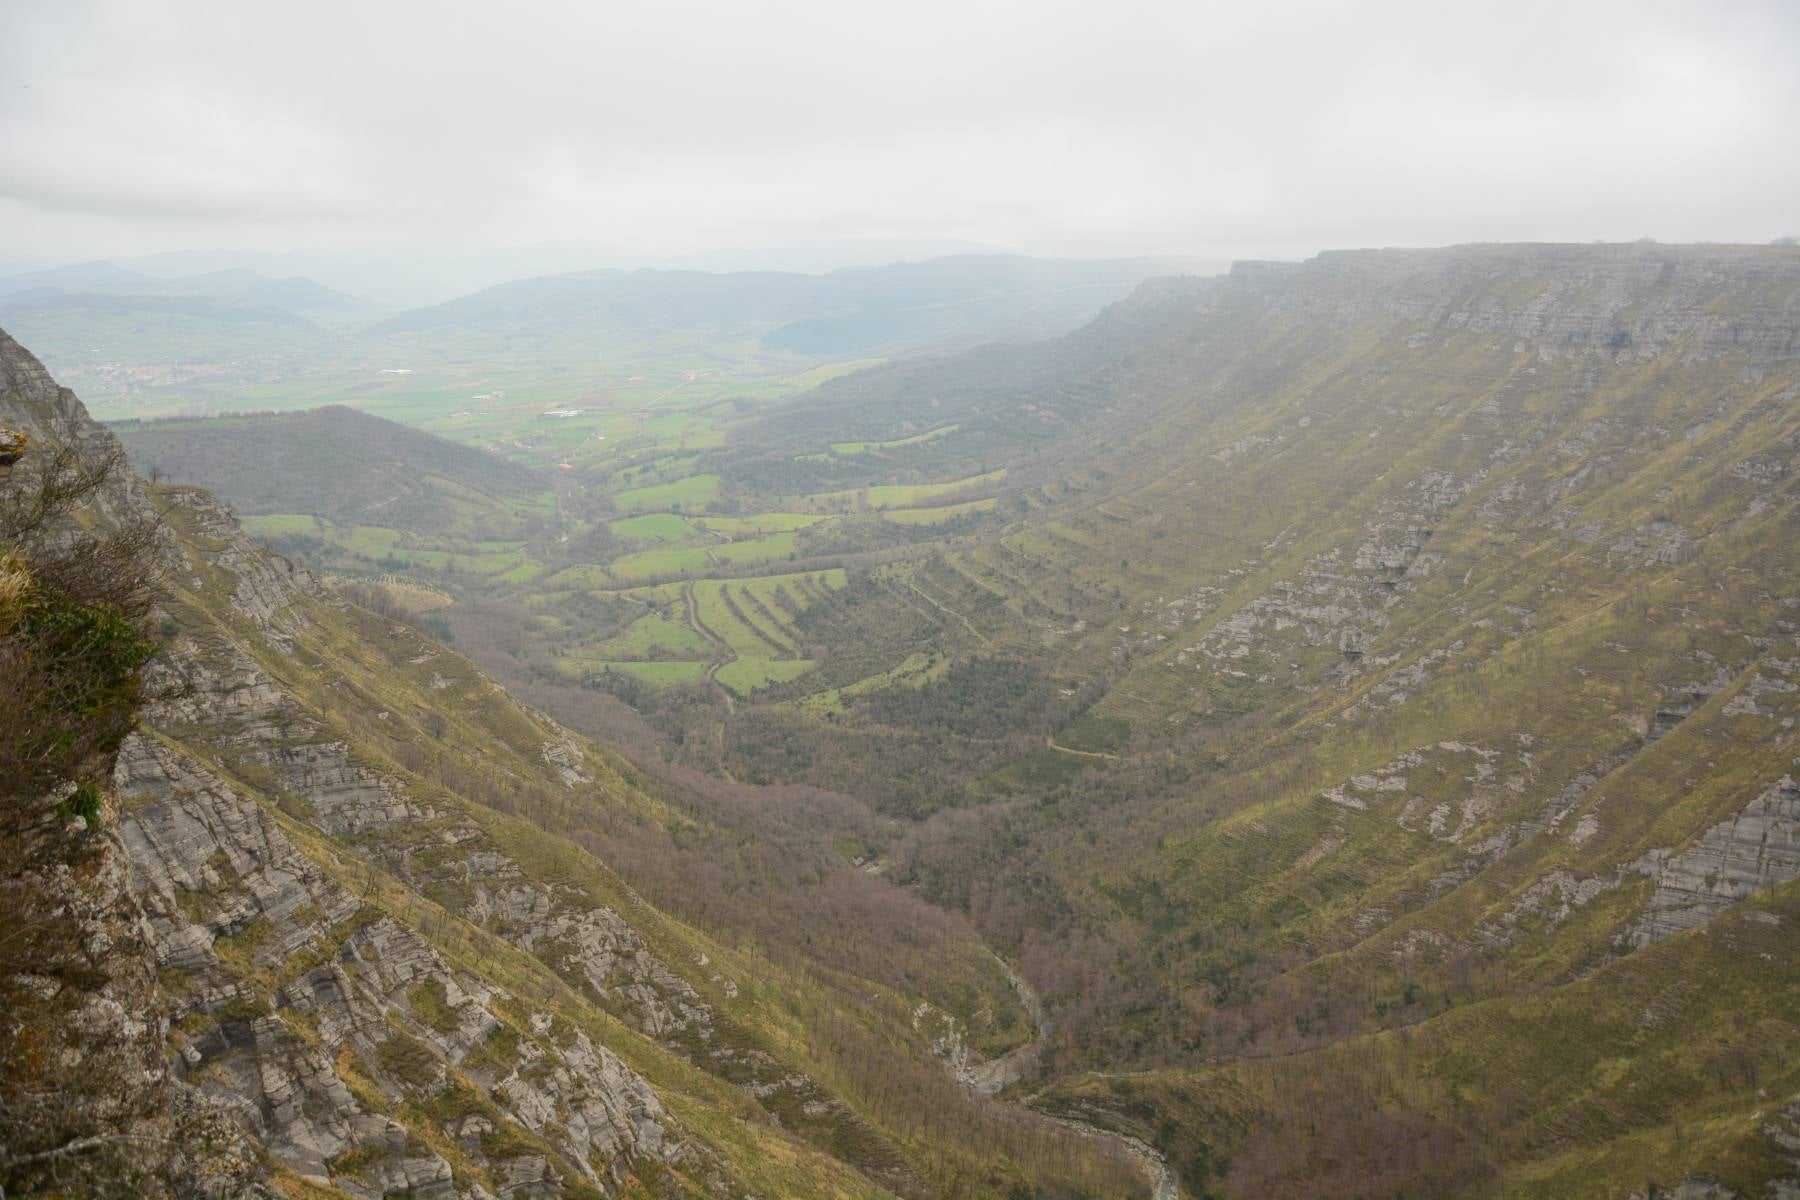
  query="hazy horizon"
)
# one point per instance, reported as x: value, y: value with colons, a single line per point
x: 810, y: 136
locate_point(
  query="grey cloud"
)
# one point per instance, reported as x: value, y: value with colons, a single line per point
x: 663, y: 130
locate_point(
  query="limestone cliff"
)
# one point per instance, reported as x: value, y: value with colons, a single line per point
x: 87, y: 1103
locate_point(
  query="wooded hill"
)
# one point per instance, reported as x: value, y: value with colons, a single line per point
x: 341, y: 464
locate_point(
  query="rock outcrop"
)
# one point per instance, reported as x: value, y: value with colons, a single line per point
x: 1616, y: 301
x: 1733, y: 860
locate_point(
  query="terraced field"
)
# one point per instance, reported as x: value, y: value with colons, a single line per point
x: 653, y: 527
x: 913, y: 671
x: 753, y: 621
x: 739, y: 631
x: 893, y: 443
x: 746, y: 675
x: 939, y: 515
x: 776, y: 522
x: 903, y: 495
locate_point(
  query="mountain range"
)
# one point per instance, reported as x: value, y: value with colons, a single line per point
x: 845, y: 312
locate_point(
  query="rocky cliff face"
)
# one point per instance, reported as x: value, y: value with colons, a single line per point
x: 89, y: 1104
x: 1620, y: 302
x: 352, y: 997
x: 1753, y: 849
x: 340, y: 974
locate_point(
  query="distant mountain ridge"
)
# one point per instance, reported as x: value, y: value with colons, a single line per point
x: 231, y: 296
x: 854, y: 310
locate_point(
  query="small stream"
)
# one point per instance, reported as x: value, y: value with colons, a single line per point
x: 993, y: 1075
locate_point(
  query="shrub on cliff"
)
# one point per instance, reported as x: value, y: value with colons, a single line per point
x: 82, y: 1105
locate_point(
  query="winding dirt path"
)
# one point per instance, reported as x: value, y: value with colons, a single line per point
x: 718, y: 643
x: 1056, y: 745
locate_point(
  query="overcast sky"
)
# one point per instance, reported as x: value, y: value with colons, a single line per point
x: 653, y: 131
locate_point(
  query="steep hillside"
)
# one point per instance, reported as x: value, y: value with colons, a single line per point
x: 1415, y: 637
x: 344, y: 465
x: 383, y: 956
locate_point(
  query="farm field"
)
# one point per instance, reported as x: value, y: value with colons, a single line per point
x: 649, y: 564
x: 653, y: 527
x: 746, y: 675
x: 775, y: 522
x: 689, y: 494
x: 750, y: 623
x: 901, y: 495
x: 938, y: 515
x: 617, y: 522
